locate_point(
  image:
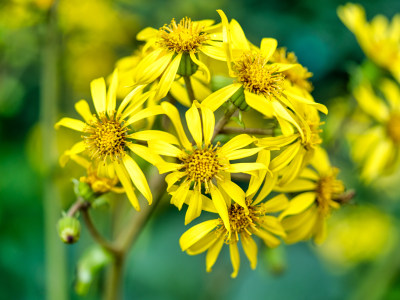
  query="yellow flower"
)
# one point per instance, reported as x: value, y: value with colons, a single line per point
x: 378, y: 148
x: 379, y: 39
x: 307, y: 212
x: 297, y: 75
x: 211, y: 235
x: 106, y: 135
x: 300, y: 151
x: 260, y: 83
x: 204, y: 166
x: 176, y: 49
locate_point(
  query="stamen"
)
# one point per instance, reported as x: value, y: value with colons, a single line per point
x: 183, y: 37
x: 257, y: 76
x: 328, y: 189
x: 393, y: 128
x: 106, y: 137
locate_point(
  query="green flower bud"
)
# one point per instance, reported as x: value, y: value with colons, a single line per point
x: 187, y: 67
x: 69, y: 229
x: 82, y: 189
x: 239, y: 101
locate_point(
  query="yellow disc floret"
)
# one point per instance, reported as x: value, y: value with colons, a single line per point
x: 185, y: 36
x: 257, y: 76
x: 106, y: 137
x: 202, y: 165
x: 393, y: 128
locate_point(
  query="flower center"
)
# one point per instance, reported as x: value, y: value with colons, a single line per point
x: 106, y: 137
x: 393, y: 128
x: 257, y: 76
x: 328, y: 189
x: 315, y: 138
x: 182, y: 37
x: 242, y: 222
x: 202, y: 165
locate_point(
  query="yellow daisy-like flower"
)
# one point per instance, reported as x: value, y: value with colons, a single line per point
x: 261, y: 84
x: 175, y: 49
x: 107, y: 135
x: 307, y: 213
x: 297, y: 75
x: 203, y: 167
x: 259, y: 221
x: 379, y: 39
x: 300, y: 151
x: 378, y: 148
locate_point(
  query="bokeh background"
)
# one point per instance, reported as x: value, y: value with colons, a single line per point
x: 50, y: 52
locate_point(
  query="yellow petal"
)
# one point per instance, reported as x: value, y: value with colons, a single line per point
x: 283, y: 113
x: 129, y: 99
x: 194, y: 124
x: 235, y: 258
x: 246, y: 167
x: 299, y: 204
x: 80, y: 161
x: 217, y: 53
x: 235, y: 192
x: 272, y: 224
x: 138, y: 178
x: 276, y: 142
x: 213, y: 252
x: 220, y: 206
x: 370, y: 103
x: 173, y: 177
x: 194, y: 209
x: 285, y: 157
x: 126, y: 183
x: 164, y: 148
x: 250, y: 249
x: 294, y: 168
x: 277, y: 203
x: 70, y: 123
x: 391, y: 92
x: 145, y: 153
x: 270, y: 240
x: 208, y: 124
x: 377, y: 160
x: 147, y: 72
x: 147, y: 33
x: 168, y: 77
x: 320, y: 161
x: 204, y: 244
x: 239, y: 141
x: 112, y: 93
x: 179, y: 197
x: 77, y: 148
x: 202, y: 67
x: 197, y: 232
x: 322, y: 108
x: 179, y: 92
x: 259, y: 103
x: 238, y: 154
x: 292, y: 222
x: 298, y: 185
x: 216, y: 99
x: 145, y: 113
x: 173, y: 114
x: 165, y: 167
x: 98, y: 90
x: 255, y: 181
x: 267, y: 48
x: 82, y: 107
x: 238, y: 37
x: 148, y: 135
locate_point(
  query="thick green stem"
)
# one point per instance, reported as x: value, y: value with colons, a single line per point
x: 256, y: 131
x: 56, y: 287
x: 224, y: 120
x: 189, y: 88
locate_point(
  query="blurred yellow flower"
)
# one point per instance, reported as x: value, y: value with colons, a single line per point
x: 379, y: 39
x: 259, y: 220
x: 319, y: 190
x: 358, y: 234
x: 377, y: 149
x: 107, y: 136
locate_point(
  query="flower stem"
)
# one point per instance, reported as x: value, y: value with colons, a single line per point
x: 224, y: 120
x: 257, y: 131
x: 189, y: 88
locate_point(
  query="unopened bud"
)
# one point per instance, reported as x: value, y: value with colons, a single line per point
x: 187, y: 67
x: 83, y: 189
x: 69, y: 229
x: 239, y: 101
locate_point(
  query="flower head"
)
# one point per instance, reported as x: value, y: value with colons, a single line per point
x: 107, y: 136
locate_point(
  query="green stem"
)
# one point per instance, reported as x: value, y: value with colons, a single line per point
x: 189, y: 88
x: 56, y: 283
x: 224, y: 120
x: 257, y: 131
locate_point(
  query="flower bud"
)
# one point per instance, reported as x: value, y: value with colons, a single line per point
x: 83, y: 189
x: 69, y: 229
x: 239, y: 101
x: 187, y: 67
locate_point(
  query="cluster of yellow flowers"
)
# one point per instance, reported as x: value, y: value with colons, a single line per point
x: 377, y: 147
x: 290, y: 186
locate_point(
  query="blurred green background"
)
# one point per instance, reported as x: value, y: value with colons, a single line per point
x: 47, y: 60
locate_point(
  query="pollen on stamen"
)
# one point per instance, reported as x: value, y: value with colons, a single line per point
x: 202, y: 166
x: 328, y: 189
x: 393, y: 128
x: 106, y: 137
x: 184, y: 36
x: 257, y: 76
